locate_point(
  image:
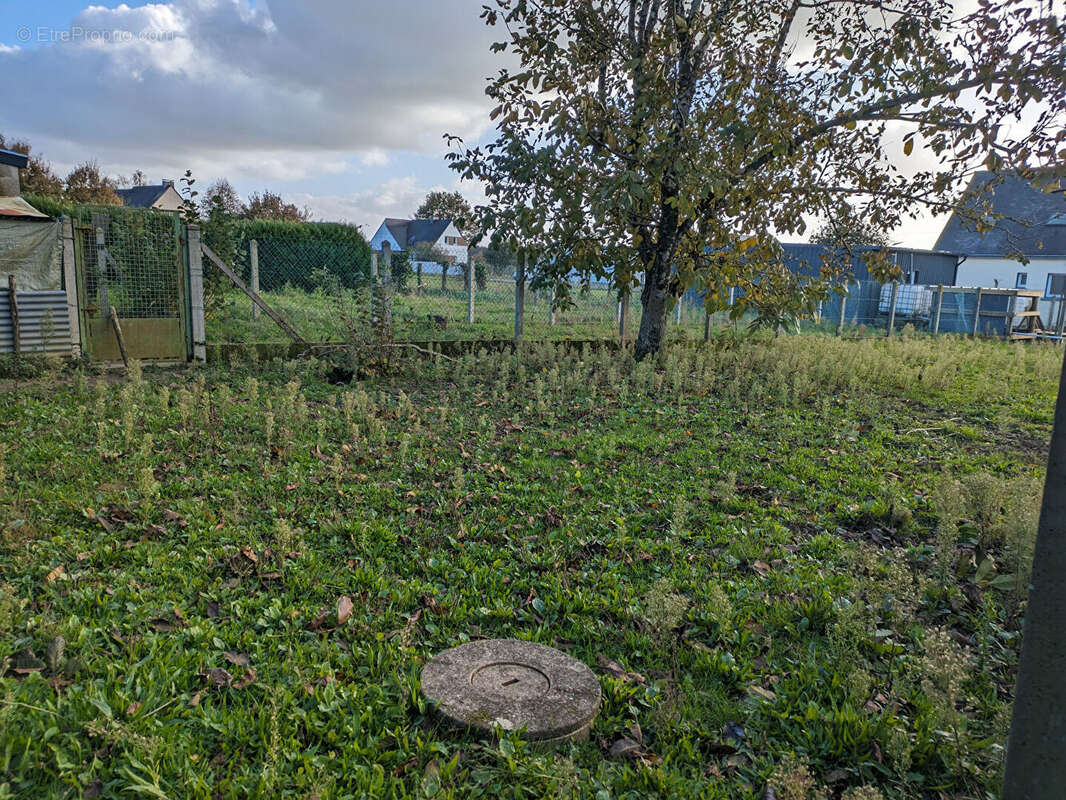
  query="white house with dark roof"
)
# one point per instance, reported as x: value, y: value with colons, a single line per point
x: 402, y: 234
x: 161, y: 197
x: 1032, y: 229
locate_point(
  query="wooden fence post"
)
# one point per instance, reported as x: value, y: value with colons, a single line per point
x: 253, y: 258
x: 70, y: 281
x: 196, y: 293
x: 121, y: 339
x: 892, y: 308
x: 939, y: 307
x: 259, y: 301
x: 977, y: 313
x: 520, y: 296
x: 386, y: 283
x: 13, y: 304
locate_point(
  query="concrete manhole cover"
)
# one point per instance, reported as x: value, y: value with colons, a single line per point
x: 510, y: 685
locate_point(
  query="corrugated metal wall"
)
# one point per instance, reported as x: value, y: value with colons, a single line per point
x: 44, y: 326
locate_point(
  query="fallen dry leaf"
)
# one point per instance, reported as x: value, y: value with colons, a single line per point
x: 615, y: 670
x: 52, y: 576
x: 625, y: 748
x: 217, y: 676
x: 239, y: 659
x: 344, y: 609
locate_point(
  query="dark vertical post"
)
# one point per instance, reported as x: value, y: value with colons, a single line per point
x: 13, y: 304
x: 1036, y: 768
x: 520, y: 296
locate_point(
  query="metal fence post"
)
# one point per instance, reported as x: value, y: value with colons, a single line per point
x: 623, y: 315
x: 470, y: 286
x: 677, y: 311
x: 977, y: 313
x: 70, y: 280
x: 551, y: 304
x: 519, y: 296
x: 732, y: 300
x: 196, y: 293
x: 892, y: 308
x: 253, y: 260
x: 706, y: 326
x: 939, y: 307
x: 843, y: 311
x: 101, y: 265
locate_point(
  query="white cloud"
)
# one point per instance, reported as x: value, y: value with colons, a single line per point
x: 220, y: 81
x: 398, y: 197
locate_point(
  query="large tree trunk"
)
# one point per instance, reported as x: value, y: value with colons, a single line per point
x: 653, y: 301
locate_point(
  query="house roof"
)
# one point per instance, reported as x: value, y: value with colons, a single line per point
x: 13, y: 159
x: 1033, y: 224
x: 17, y: 207
x: 143, y: 196
x: 409, y: 232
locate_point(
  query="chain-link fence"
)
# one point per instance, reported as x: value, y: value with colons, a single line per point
x: 326, y: 284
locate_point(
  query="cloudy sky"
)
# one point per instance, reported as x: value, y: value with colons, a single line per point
x: 339, y: 105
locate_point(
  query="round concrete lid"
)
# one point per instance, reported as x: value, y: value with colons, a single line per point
x: 508, y: 684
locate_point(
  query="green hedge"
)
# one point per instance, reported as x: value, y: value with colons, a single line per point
x: 305, y: 255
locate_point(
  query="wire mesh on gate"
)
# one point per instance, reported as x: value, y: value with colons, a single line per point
x: 131, y: 260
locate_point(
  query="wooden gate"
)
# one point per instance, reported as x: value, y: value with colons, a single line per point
x: 133, y: 261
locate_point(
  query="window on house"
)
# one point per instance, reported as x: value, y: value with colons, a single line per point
x: 912, y: 277
x: 1056, y: 286
x: 1022, y: 281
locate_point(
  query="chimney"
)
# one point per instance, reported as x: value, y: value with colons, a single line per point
x: 10, y: 164
x: 168, y: 181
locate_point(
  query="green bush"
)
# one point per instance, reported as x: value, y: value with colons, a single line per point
x: 51, y: 206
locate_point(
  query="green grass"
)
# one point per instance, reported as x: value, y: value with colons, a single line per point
x: 801, y: 553
x: 436, y: 314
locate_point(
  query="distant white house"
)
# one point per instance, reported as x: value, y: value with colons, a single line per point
x: 402, y: 234
x: 1033, y: 226
x: 162, y: 197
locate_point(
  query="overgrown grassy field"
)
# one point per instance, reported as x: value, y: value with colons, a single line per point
x: 435, y: 314
x: 797, y: 561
